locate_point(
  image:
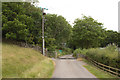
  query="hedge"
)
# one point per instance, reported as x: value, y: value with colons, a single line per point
x: 107, y: 56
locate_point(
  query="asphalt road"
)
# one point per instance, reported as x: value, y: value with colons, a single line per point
x: 70, y: 68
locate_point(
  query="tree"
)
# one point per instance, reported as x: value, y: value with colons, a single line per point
x: 21, y: 22
x: 111, y: 37
x: 58, y: 28
x: 87, y: 33
x: 14, y: 23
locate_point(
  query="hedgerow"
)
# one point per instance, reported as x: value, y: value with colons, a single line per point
x: 107, y: 56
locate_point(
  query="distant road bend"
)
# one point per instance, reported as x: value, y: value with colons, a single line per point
x: 70, y: 68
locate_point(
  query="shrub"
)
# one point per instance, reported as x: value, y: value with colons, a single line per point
x: 67, y: 50
x: 79, y: 51
x: 107, y: 56
x: 112, y: 47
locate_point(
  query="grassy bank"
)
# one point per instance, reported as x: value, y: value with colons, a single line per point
x: 24, y: 62
x: 97, y: 72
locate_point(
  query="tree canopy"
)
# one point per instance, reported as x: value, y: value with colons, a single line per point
x: 58, y: 28
x: 87, y: 33
x: 22, y: 21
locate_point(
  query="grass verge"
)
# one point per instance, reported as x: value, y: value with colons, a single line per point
x: 19, y: 62
x: 96, y: 71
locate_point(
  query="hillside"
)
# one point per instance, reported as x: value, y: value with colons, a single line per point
x: 23, y: 62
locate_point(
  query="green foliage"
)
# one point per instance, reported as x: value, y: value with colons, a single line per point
x: 111, y: 37
x: 87, y: 33
x: 19, y: 62
x: 16, y: 24
x: 112, y: 47
x: 80, y: 51
x: 15, y: 30
x: 50, y: 43
x: 58, y: 28
x: 11, y: 35
x: 105, y: 56
x: 22, y: 21
x: 98, y: 72
x: 65, y: 51
x: 77, y: 51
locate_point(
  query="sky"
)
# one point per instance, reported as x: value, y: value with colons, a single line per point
x: 104, y: 11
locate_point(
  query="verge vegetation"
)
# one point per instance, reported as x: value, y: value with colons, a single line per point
x: 22, y: 62
x: 107, y: 56
x: 97, y: 72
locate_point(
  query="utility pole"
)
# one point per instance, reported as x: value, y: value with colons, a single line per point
x: 43, y: 45
x: 43, y: 21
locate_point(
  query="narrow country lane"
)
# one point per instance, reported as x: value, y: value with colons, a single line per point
x: 70, y: 68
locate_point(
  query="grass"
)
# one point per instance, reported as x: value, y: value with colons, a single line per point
x: 97, y: 72
x: 19, y: 62
x: 40, y: 70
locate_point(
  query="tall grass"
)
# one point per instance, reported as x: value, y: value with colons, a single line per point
x: 20, y: 62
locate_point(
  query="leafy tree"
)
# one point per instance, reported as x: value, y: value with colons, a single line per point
x: 13, y: 27
x: 87, y: 33
x: 21, y: 22
x: 57, y: 28
x: 111, y: 37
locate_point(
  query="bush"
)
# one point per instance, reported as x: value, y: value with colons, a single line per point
x: 107, y: 56
x: 112, y: 47
x: 77, y: 51
x: 80, y: 51
x: 65, y: 51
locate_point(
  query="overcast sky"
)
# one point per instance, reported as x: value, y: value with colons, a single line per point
x: 104, y: 11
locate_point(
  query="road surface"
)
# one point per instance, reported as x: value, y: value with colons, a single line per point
x: 70, y: 68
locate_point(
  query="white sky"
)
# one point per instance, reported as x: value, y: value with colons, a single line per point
x: 104, y: 11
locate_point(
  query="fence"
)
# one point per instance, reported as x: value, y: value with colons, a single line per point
x: 112, y: 70
x: 109, y: 69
